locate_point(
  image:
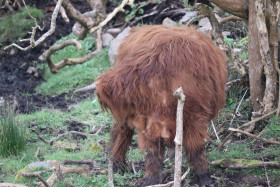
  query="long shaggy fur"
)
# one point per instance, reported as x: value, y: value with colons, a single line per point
x: 152, y: 62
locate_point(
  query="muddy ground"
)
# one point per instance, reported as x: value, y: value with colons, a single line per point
x: 17, y: 84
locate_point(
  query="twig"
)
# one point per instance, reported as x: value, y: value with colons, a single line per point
x: 253, y: 136
x: 12, y: 185
x: 245, y: 125
x: 112, y: 14
x: 44, y: 36
x: 133, y: 168
x: 267, y: 179
x: 237, y: 109
x: 212, y: 142
x: 52, y: 140
x: 179, y: 94
x: 110, y: 173
x: 172, y: 182
x: 215, y: 130
x: 38, y: 176
x: 37, y: 152
x: 87, y: 162
x: 100, y: 129
x: 63, y: 13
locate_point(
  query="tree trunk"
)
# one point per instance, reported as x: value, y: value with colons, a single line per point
x: 256, y: 68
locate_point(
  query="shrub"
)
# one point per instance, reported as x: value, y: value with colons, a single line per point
x: 12, y: 138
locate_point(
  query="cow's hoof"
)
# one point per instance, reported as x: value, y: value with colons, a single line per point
x: 150, y: 180
x: 204, y: 179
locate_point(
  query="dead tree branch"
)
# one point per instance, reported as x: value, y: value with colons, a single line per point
x: 244, y: 163
x: 245, y: 125
x: 63, y: 13
x: 112, y: 15
x: 38, y: 176
x: 179, y: 94
x: 44, y: 36
x: 11, y: 185
x: 72, y: 61
x: 253, y: 136
x: 110, y: 173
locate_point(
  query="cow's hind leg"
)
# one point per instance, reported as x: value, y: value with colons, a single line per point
x: 121, y: 136
x: 153, y: 165
x: 194, y: 148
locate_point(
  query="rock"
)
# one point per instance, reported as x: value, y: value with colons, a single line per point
x: 42, y: 58
x: 106, y: 39
x: 13, y: 51
x: 204, y: 25
x: 236, y: 50
x: 169, y: 22
x: 32, y: 70
x: 114, y: 31
x: 114, y: 46
x: 226, y: 33
x: 188, y: 16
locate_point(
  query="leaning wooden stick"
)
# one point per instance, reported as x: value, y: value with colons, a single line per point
x: 110, y: 173
x: 179, y: 136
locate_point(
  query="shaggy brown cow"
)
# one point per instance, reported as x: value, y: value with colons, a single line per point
x: 152, y: 62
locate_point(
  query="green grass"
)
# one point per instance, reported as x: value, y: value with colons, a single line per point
x: 70, y: 78
x: 12, y: 135
x: 15, y: 26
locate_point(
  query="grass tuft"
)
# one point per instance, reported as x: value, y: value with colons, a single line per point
x: 12, y: 137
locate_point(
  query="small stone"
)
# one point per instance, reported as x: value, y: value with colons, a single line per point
x: 106, y: 39
x: 169, y: 22
x: 115, y: 44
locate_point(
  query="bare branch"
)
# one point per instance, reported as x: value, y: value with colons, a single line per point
x: 244, y: 163
x: 63, y: 13
x: 75, y: 14
x: 38, y: 176
x: 112, y: 14
x: 245, y: 125
x: 179, y: 94
x: 253, y: 136
x: 44, y: 36
x: 73, y: 61
x: 110, y: 173
x: 57, y: 47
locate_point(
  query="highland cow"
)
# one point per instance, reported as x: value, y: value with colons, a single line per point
x: 152, y: 62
